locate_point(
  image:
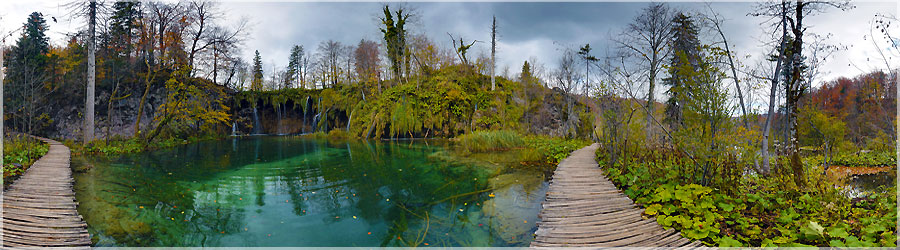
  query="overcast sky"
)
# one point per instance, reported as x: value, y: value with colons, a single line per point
x: 526, y: 30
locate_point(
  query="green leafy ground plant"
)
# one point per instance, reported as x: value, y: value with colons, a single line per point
x: 20, y: 152
x: 768, y: 212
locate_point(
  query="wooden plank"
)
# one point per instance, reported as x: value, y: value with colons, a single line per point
x: 54, y: 225
x: 41, y: 212
x: 42, y: 219
x: 39, y: 209
x: 29, y: 242
x: 57, y: 235
x: 582, y: 208
x: 35, y: 230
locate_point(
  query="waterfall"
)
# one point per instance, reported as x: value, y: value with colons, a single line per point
x: 321, y: 116
x: 257, y: 127
x: 233, y: 128
x: 278, y: 110
x: 472, y: 119
x: 306, y: 108
x: 350, y: 118
x: 315, y: 122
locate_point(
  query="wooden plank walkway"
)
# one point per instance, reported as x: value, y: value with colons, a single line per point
x: 39, y: 208
x: 584, y: 209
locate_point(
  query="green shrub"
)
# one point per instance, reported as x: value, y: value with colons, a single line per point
x: 868, y: 159
x: 338, y: 134
x: 21, y: 150
x: 119, y: 145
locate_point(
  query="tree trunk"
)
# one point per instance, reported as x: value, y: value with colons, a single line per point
x: 2, y: 120
x: 734, y: 75
x: 493, y: 52
x: 793, y: 97
x: 768, y: 127
x: 215, y: 70
x: 91, y: 75
x: 109, y: 110
x: 650, y: 93
x: 140, y: 113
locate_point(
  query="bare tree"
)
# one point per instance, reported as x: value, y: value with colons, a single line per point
x: 329, y: 54
x: 201, y: 12
x: 538, y: 70
x: 716, y: 21
x: 795, y: 64
x: 146, y: 34
x: 493, y: 51
x: 348, y: 52
x: 91, y: 74
x: 620, y: 81
x: 566, y: 78
x: 774, y: 86
x: 645, y: 40
x: 165, y: 16
x: 461, y: 48
x: 796, y: 86
x: 367, y: 60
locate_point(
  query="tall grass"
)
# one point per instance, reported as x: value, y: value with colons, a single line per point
x: 486, y: 141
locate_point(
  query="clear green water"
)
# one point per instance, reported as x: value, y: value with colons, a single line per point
x: 288, y: 191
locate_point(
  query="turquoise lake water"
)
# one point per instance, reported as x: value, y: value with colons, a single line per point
x: 291, y: 191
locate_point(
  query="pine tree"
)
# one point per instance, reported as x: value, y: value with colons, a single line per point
x: 685, y: 46
x: 526, y: 73
x: 27, y: 72
x: 585, y: 53
x: 295, y: 65
x: 256, y: 82
x: 122, y: 26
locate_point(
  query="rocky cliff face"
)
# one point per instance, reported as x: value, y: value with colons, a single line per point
x: 546, y: 114
x: 68, y: 120
x: 549, y: 116
x: 284, y: 118
x: 273, y: 119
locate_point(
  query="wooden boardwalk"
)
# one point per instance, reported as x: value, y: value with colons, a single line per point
x: 39, y: 208
x: 584, y: 209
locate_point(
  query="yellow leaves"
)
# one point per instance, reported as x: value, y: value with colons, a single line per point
x: 491, y: 195
x: 193, y: 101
